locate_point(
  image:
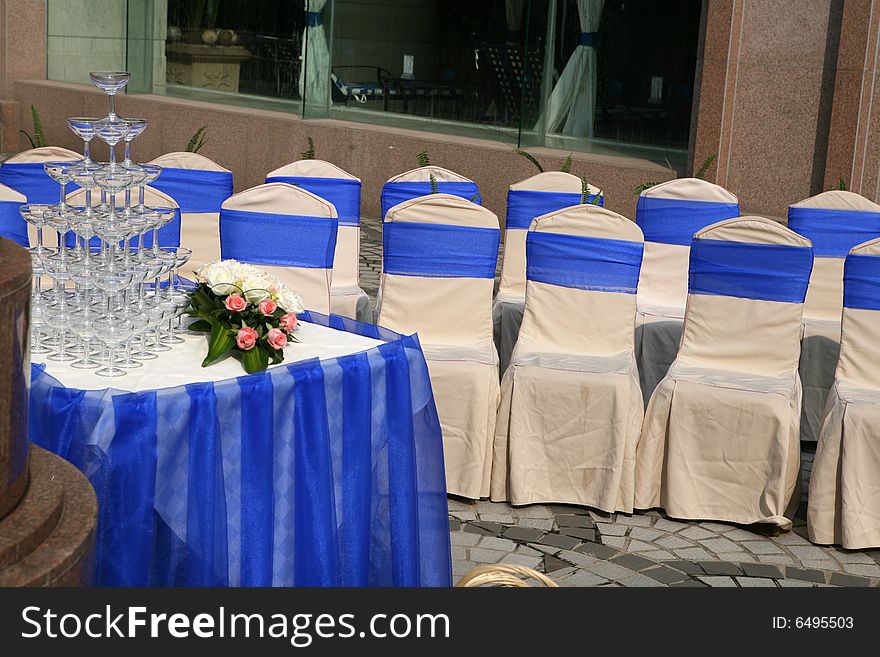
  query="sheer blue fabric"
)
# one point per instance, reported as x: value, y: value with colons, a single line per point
x: 316, y: 473
x: 765, y: 272
x: 195, y: 190
x: 343, y: 193
x: 313, y: 18
x: 861, y: 282
x: 671, y: 221
x: 439, y: 250
x: 834, y: 232
x: 278, y: 239
x: 30, y: 179
x: 523, y: 205
x: 12, y: 226
x: 589, y: 39
x: 585, y: 263
x: 398, y: 192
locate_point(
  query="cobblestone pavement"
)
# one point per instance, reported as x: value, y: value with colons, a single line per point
x: 580, y: 547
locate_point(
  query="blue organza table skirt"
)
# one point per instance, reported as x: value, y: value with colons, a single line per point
x: 315, y: 473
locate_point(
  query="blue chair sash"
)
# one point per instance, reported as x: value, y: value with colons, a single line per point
x: 398, y: 192
x: 439, y: 250
x: 278, y: 239
x: 584, y: 263
x: 861, y: 282
x: 195, y: 190
x: 834, y: 232
x: 343, y: 193
x: 523, y: 205
x: 30, y: 179
x: 672, y: 221
x: 12, y: 226
x: 764, y: 272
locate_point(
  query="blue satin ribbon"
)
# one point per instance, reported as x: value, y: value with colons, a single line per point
x: 31, y: 179
x: 313, y: 18
x: 398, y: 192
x: 584, y: 263
x: 861, y: 282
x: 439, y: 250
x: 765, y: 272
x: 589, y: 39
x: 12, y: 226
x: 195, y: 190
x: 278, y: 239
x: 834, y: 232
x: 672, y: 221
x: 523, y: 205
x: 343, y: 193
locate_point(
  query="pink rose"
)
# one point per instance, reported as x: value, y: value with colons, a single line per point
x: 288, y: 322
x: 268, y: 307
x: 235, y: 303
x: 276, y: 339
x: 246, y: 338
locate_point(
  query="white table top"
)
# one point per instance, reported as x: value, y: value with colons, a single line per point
x: 182, y: 365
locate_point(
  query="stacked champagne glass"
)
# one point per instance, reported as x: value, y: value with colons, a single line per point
x: 114, y: 299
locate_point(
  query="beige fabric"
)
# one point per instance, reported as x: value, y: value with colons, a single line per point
x: 185, y: 160
x: 571, y: 405
x: 423, y: 174
x: 43, y: 154
x: 313, y: 285
x: 9, y: 194
x: 720, y: 437
x: 844, y: 502
x: 453, y: 319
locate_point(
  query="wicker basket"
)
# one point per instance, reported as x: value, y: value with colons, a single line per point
x: 504, y: 575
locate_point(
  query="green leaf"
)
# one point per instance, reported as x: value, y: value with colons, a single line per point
x: 220, y: 343
x: 585, y: 191
x: 841, y: 184
x: 255, y: 360
x: 202, y: 326
x: 39, y: 136
x: 566, y: 165
x: 196, y: 141
x: 309, y: 154
x: 277, y: 356
x: 704, y: 167
x: 644, y: 186
x: 423, y: 159
x: 433, y: 183
x: 30, y: 139
x: 530, y: 158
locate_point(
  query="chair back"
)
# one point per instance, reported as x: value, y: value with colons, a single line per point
x: 287, y: 231
x: 25, y: 174
x: 582, y: 273
x: 860, y: 326
x: 438, y: 270
x: 834, y: 222
x: 417, y: 182
x: 527, y: 199
x: 669, y: 214
x: 747, y: 282
x: 12, y: 226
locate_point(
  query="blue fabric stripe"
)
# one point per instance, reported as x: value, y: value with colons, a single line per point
x: 195, y: 190
x: 343, y: 193
x: 30, y: 179
x: 398, y: 192
x: 439, y: 250
x: 672, y: 221
x: 861, y: 282
x: 278, y: 239
x: 766, y: 272
x: 589, y: 39
x: 12, y: 226
x: 584, y: 263
x: 834, y: 232
x: 523, y: 205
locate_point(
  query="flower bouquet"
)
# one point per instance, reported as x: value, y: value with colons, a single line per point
x: 247, y: 312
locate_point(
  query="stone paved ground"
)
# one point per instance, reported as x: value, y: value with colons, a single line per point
x: 581, y: 547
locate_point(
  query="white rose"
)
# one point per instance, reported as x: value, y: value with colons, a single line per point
x: 291, y: 302
x: 220, y: 279
x: 255, y: 288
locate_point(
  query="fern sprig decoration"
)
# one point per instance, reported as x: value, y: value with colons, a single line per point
x: 566, y: 165
x: 433, y: 183
x: 585, y: 191
x: 423, y: 159
x: 39, y: 138
x: 530, y: 158
x: 196, y: 141
x: 704, y: 167
x: 309, y: 153
x: 841, y: 184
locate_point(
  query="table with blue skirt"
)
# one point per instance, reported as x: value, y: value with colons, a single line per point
x: 324, y: 470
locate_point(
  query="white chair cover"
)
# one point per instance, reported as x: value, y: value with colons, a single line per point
x: 417, y: 182
x: 834, y: 222
x: 439, y: 257
x: 343, y: 190
x: 669, y: 214
x: 571, y: 408
x: 527, y: 199
x: 200, y: 186
x: 844, y: 501
x: 286, y: 231
x: 12, y: 225
x: 720, y: 437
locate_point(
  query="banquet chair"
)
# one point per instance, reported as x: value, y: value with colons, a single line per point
x: 288, y: 232
x: 834, y: 222
x: 844, y: 501
x: 720, y: 436
x: 571, y: 406
x: 12, y: 225
x: 343, y: 190
x: 438, y: 269
x: 669, y: 214
x: 417, y: 182
x: 527, y: 199
x: 199, y: 185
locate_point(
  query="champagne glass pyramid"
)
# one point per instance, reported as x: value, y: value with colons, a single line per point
x: 110, y: 82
